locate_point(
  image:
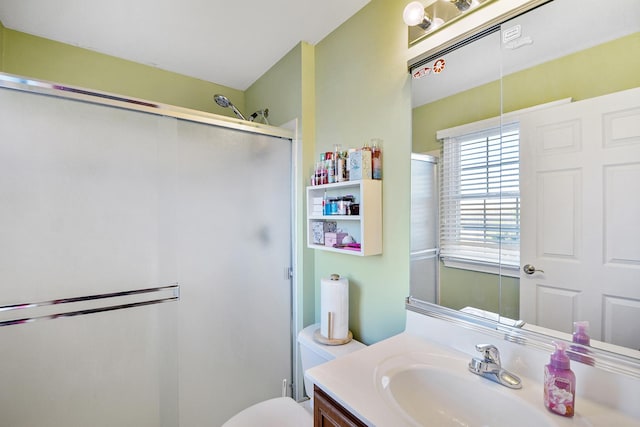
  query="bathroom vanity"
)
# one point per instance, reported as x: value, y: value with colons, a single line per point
x: 328, y: 412
x: 421, y: 377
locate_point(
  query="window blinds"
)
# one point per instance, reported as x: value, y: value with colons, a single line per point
x: 480, y: 197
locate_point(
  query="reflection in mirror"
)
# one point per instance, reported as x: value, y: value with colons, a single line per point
x: 576, y: 161
x: 573, y: 217
x: 459, y: 87
x: 424, y: 228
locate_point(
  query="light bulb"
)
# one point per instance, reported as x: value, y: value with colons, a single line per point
x: 462, y: 5
x: 413, y: 13
x: 437, y: 22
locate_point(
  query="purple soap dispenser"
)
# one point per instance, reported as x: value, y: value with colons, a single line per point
x: 581, y: 332
x: 559, y: 383
x: 581, y: 336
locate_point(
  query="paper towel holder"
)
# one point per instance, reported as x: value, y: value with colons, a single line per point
x: 331, y: 341
x: 327, y: 341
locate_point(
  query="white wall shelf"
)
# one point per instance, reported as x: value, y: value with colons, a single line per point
x: 365, y: 228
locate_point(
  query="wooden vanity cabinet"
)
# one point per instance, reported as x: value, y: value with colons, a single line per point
x: 329, y: 413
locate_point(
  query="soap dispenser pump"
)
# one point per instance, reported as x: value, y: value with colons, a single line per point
x: 559, y: 383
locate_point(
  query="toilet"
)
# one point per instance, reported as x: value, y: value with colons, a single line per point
x: 284, y: 411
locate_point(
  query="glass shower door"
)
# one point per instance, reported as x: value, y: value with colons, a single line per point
x: 424, y: 277
x: 84, y: 340
x: 233, y: 198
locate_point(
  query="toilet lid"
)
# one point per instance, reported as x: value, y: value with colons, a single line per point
x: 278, y: 412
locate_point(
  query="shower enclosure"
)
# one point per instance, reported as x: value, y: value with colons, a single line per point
x: 424, y: 262
x: 145, y: 254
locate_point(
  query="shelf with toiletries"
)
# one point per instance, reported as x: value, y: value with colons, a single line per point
x: 345, y: 217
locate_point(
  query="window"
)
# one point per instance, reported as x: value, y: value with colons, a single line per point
x: 480, y: 199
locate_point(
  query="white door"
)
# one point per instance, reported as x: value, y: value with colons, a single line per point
x: 580, y: 182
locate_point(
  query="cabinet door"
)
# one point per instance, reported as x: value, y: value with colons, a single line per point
x: 329, y: 413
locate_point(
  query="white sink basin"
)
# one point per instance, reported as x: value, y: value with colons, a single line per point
x: 413, y: 380
x: 432, y: 389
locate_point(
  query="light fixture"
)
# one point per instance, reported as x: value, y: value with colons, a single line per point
x: 414, y: 15
x: 425, y: 20
x: 462, y: 5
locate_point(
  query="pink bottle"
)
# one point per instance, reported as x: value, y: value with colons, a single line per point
x: 581, y: 332
x: 559, y: 383
x: 581, y: 336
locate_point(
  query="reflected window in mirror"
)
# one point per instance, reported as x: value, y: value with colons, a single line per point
x: 480, y: 200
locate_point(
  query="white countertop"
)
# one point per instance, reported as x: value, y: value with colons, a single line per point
x: 352, y: 381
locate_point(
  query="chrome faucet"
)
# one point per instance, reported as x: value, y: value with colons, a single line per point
x: 489, y: 367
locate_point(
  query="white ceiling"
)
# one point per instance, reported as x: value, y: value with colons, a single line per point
x: 227, y: 42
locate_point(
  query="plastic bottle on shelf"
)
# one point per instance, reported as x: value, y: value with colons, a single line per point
x: 339, y: 167
x: 331, y: 172
x: 376, y: 158
x: 348, y: 163
x: 336, y: 161
x: 325, y: 204
x: 318, y: 174
x: 324, y: 179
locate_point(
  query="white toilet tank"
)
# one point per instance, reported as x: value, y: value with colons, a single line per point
x: 312, y: 353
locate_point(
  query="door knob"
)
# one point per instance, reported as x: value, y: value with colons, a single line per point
x: 530, y: 269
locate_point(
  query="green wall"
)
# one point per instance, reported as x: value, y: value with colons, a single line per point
x: 363, y: 91
x: 606, y: 68
x: 44, y: 59
x: 470, y: 106
x: 2, y: 30
x: 281, y: 85
x: 580, y: 76
x: 480, y: 290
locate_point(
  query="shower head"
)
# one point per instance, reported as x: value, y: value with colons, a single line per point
x: 264, y: 113
x: 224, y: 102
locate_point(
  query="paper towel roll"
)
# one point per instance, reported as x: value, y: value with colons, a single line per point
x: 334, y: 307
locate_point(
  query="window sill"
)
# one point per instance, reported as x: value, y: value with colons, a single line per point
x: 483, y: 267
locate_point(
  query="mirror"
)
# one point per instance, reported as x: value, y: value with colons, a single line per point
x: 576, y: 55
